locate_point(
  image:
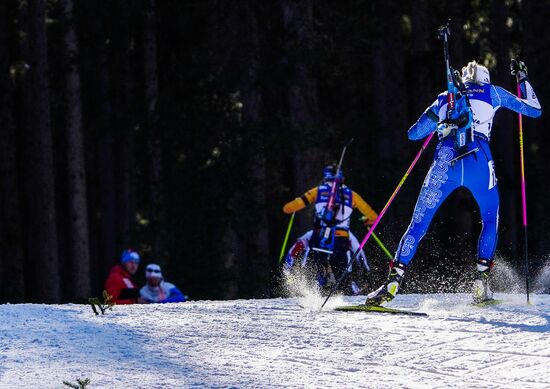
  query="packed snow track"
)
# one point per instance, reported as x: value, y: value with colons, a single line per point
x: 276, y: 343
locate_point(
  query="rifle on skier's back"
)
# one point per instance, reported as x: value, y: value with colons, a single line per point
x: 328, y: 217
x: 459, y: 114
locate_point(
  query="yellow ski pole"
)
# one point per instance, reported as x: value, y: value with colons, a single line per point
x: 281, y: 256
x: 384, y: 249
x: 378, y: 241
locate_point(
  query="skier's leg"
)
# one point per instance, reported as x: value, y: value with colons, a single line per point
x: 442, y: 179
x: 483, y: 185
x: 295, y: 256
x: 339, y: 259
x: 316, y: 268
x: 488, y: 202
x: 488, y: 206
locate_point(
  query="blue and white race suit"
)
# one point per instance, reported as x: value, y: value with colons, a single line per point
x: 475, y: 171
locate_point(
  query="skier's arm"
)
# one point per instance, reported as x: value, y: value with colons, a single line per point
x: 427, y: 123
x: 175, y: 296
x: 301, y: 202
x: 363, y: 207
x: 528, y: 105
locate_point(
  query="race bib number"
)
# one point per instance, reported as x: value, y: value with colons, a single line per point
x: 492, y: 175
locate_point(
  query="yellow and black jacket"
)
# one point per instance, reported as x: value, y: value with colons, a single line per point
x: 346, y: 198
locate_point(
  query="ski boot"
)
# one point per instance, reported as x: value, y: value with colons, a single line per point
x: 481, y: 290
x: 388, y: 291
x: 355, y: 289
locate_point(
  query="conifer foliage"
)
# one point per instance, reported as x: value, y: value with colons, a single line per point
x: 181, y: 127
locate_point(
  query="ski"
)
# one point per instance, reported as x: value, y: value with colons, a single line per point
x: 379, y: 309
x: 487, y: 303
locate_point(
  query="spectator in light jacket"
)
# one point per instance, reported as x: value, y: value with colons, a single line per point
x: 157, y: 290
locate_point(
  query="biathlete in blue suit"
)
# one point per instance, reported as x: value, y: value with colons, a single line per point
x: 470, y: 166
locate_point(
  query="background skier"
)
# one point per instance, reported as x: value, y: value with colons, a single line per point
x: 299, y: 254
x: 470, y: 166
x: 329, y: 267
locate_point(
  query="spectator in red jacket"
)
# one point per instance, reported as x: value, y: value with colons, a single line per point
x: 120, y: 284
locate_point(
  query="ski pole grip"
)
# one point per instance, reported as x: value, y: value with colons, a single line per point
x: 444, y: 31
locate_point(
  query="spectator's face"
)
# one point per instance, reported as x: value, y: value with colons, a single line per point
x: 131, y: 266
x: 153, y: 281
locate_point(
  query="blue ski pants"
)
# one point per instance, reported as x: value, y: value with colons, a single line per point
x: 475, y: 172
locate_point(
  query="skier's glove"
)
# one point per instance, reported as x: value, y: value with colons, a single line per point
x: 518, y: 69
x: 129, y: 293
x: 367, y: 222
x: 445, y: 127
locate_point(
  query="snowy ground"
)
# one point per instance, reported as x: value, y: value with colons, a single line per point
x: 279, y: 343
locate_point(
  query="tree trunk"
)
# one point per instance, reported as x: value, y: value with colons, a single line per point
x: 41, y: 228
x: 233, y: 254
x: 422, y: 80
x: 94, y: 27
x: 105, y: 142
x: 258, y: 268
x: 11, y: 241
x: 534, y: 44
x: 505, y: 136
x: 225, y: 39
x: 107, y: 188
x: 154, y: 139
x: 302, y: 97
x: 390, y: 105
x: 123, y: 119
x: 79, y: 256
x: 456, y: 48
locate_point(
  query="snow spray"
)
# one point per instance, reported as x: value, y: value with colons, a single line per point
x: 302, y: 286
x: 504, y: 278
x: 542, y: 281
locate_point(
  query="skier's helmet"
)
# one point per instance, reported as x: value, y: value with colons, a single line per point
x: 329, y: 173
x: 474, y: 72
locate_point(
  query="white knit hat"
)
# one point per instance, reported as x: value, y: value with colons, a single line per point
x: 153, y: 271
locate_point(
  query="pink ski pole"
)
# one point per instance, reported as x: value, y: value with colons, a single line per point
x: 381, y: 214
x: 523, y: 192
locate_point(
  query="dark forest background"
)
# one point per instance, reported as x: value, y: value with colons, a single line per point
x: 180, y: 128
